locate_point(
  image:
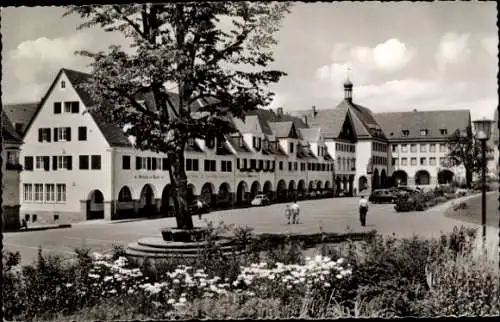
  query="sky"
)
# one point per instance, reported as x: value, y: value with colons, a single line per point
x: 401, y: 55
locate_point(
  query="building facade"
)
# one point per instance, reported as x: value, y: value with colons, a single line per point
x: 418, y: 146
x: 11, y: 169
x: 78, y: 167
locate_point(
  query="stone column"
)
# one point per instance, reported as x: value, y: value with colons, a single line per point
x: 83, y: 209
x: 137, y: 203
x: 108, y: 210
x: 157, y: 203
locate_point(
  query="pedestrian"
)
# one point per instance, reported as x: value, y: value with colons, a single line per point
x: 295, y: 208
x: 288, y: 213
x: 199, y: 206
x: 363, y: 210
x: 24, y: 224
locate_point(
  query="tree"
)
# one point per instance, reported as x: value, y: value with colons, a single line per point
x: 464, y: 148
x: 215, y: 54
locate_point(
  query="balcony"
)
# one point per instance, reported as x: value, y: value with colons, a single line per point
x: 13, y: 166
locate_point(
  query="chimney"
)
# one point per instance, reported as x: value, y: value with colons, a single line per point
x: 280, y: 111
x: 314, y: 110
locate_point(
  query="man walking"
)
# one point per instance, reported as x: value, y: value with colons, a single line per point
x: 363, y: 210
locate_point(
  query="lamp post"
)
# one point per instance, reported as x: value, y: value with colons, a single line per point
x: 483, y: 127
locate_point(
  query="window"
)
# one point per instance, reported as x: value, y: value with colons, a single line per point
x: 154, y: 164
x: 210, y: 166
x: 63, y: 84
x: 290, y: 147
x: 281, y: 165
x: 38, y: 192
x: 406, y: 132
x: 57, y: 107
x: 61, y: 192
x: 125, y: 162
x: 268, y: 164
x: 39, y: 163
x: 432, y: 147
x: 62, y: 134
x: 71, y: 107
x: 82, y: 133
x: 261, y: 164
x: 423, y: 147
x: 432, y: 161
x: 253, y: 164
x: 443, y: 131
x: 423, y: 161
x: 441, y: 161
x: 413, y: 161
x: 149, y: 165
x: 394, y: 161
x: 295, y: 165
x: 83, y: 160
x: 95, y: 162
x: 226, y: 166
x: 413, y: 148
x: 28, y: 163
x: 28, y: 192
x: 44, y: 135
x: 394, y: 148
x: 404, y: 161
x: 13, y: 157
x: 442, y: 147
x: 50, y: 190
x: 289, y: 166
x: 424, y: 132
x: 62, y: 162
x: 404, y: 148
x: 302, y: 166
x: 35, y: 218
x: 245, y: 163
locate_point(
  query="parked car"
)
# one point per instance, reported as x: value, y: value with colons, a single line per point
x: 383, y: 196
x: 260, y: 200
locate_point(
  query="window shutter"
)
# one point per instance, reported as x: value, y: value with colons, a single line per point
x: 40, y: 135
x: 75, y: 107
x: 54, y: 162
x: 28, y: 163
x: 55, y: 134
x: 69, y: 161
x: 57, y: 108
x: 68, y: 134
x: 46, y: 163
x: 48, y: 134
x: 138, y: 163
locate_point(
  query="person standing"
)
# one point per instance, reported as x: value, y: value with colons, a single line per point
x: 363, y: 210
x: 295, y: 209
x: 199, y: 206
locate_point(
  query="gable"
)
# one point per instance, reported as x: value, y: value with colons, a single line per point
x: 293, y: 132
x: 347, y: 131
x: 45, y: 116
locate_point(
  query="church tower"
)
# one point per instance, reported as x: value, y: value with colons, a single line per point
x: 348, y: 88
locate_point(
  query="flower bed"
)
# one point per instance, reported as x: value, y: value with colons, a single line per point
x: 426, y: 200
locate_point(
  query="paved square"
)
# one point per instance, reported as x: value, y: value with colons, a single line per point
x: 333, y: 215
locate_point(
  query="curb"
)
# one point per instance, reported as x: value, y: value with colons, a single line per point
x: 39, y: 228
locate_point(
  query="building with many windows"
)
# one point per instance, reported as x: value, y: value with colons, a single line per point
x: 80, y: 167
x: 418, y: 143
x: 355, y: 140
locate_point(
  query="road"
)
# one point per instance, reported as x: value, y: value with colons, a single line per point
x: 330, y: 215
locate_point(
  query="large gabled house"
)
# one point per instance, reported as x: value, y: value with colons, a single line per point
x: 355, y: 140
x: 11, y: 168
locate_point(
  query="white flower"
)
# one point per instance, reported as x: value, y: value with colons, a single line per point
x: 339, y: 276
x: 327, y: 284
x: 69, y: 284
x: 94, y: 276
x: 171, y: 301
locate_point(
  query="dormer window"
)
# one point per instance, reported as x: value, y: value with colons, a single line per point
x: 406, y: 132
x: 424, y: 132
x: 63, y: 84
x: 444, y: 131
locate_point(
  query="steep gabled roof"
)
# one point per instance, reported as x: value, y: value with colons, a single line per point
x: 394, y: 123
x: 310, y: 134
x: 250, y: 125
x: 282, y: 129
x: 20, y: 113
x: 9, y: 134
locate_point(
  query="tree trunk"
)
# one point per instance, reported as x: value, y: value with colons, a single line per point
x: 468, y: 178
x: 178, y: 181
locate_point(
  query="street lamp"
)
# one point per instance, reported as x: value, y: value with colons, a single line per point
x: 483, y: 129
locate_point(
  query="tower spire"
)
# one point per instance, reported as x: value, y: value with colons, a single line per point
x: 348, y: 87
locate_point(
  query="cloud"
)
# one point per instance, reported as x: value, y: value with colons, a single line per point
x: 33, y: 63
x: 453, y: 49
x: 388, y: 56
x: 490, y: 44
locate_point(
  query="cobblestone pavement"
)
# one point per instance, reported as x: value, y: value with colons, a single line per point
x: 330, y: 215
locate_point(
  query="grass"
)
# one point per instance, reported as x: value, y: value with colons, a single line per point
x: 472, y: 211
x: 390, y: 277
